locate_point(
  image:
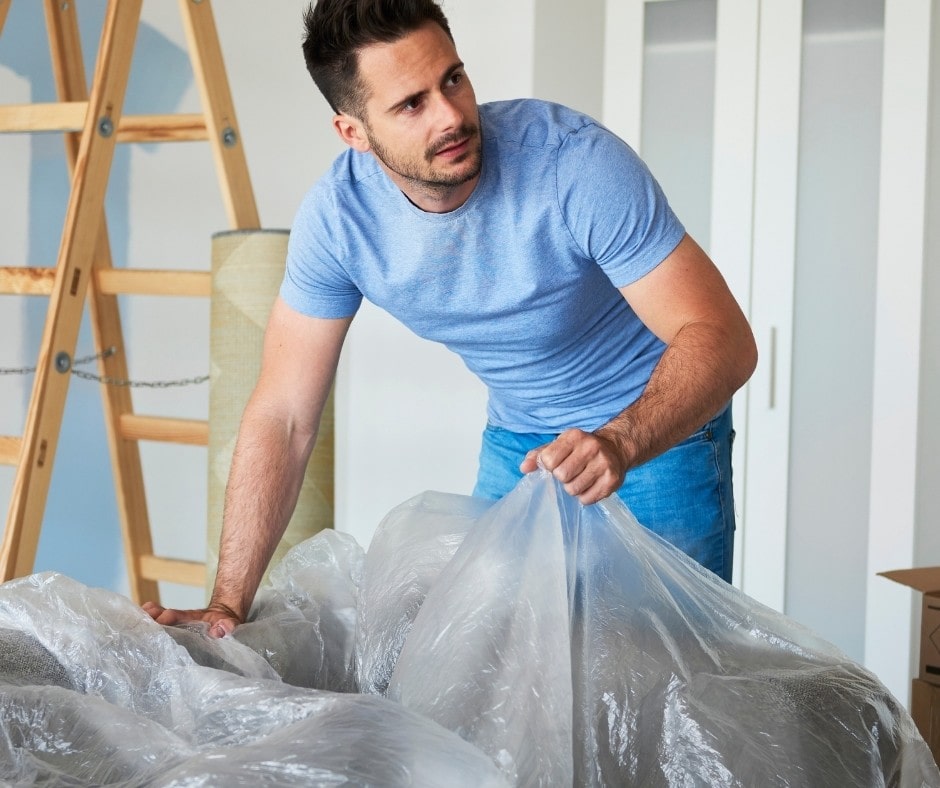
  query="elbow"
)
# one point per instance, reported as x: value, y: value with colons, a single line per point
x: 747, y: 357
x: 739, y: 355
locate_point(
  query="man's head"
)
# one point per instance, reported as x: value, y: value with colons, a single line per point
x: 391, y: 71
x: 337, y: 30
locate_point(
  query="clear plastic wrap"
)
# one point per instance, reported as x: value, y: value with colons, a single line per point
x: 674, y: 677
x: 93, y: 692
x: 532, y: 641
x: 411, y: 547
x: 304, y: 622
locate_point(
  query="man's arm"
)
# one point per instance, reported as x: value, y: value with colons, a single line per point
x: 277, y: 434
x: 710, y: 353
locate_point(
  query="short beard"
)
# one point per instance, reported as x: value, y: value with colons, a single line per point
x: 426, y: 180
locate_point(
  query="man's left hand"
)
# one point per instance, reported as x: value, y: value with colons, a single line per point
x: 589, y: 465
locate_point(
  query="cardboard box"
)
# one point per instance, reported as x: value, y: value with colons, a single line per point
x: 927, y: 581
x: 925, y: 709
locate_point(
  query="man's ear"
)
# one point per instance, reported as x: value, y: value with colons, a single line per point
x: 351, y: 131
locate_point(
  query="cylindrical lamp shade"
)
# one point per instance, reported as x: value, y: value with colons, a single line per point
x: 247, y: 268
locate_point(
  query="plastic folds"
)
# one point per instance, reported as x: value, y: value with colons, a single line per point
x: 529, y: 642
x: 674, y: 677
x: 93, y: 692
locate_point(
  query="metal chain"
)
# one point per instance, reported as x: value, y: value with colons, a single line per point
x: 153, y: 384
x: 109, y: 381
x: 17, y: 370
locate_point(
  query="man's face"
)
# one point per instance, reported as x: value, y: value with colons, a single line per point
x: 421, y: 119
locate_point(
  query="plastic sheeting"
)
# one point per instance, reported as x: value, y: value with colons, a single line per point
x: 93, y: 693
x: 531, y: 642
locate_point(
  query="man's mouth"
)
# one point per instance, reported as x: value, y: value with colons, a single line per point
x: 453, y: 147
x: 454, y: 150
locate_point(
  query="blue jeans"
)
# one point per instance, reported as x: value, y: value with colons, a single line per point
x: 684, y: 495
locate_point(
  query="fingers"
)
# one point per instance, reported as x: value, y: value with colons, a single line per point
x: 162, y: 615
x: 168, y: 616
x: 586, y: 464
x: 220, y: 624
x: 601, y: 489
x: 551, y: 456
x: 532, y: 459
x: 222, y: 627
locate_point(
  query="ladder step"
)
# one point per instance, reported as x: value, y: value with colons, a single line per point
x: 70, y: 116
x: 58, y: 116
x: 162, y: 128
x: 131, y: 281
x: 193, y: 432
x: 20, y: 280
x: 173, y: 570
x: 10, y: 450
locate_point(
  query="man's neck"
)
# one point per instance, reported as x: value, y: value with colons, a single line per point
x: 432, y: 199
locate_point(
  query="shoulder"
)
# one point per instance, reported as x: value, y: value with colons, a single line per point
x: 533, y: 122
x: 350, y: 180
x: 349, y: 171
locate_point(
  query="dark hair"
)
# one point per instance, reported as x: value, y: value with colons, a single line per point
x: 337, y: 29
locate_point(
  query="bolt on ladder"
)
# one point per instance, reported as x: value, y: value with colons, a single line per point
x: 93, y: 124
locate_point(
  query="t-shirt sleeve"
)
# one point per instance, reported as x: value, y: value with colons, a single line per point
x: 615, y: 210
x: 315, y: 281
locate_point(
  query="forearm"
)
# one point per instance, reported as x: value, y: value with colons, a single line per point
x: 710, y: 353
x: 264, y: 483
x: 277, y: 434
x: 697, y: 375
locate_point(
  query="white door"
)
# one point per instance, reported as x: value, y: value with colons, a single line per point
x: 682, y: 81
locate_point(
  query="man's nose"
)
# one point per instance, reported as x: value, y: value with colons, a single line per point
x: 448, y: 115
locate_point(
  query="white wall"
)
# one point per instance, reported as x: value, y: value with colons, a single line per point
x: 569, y: 54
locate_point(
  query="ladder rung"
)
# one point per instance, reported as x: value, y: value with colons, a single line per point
x: 130, y: 281
x: 173, y: 570
x: 58, y: 116
x: 194, y: 432
x: 10, y: 450
x: 162, y: 128
x: 70, y: 116
x: 20, y: 280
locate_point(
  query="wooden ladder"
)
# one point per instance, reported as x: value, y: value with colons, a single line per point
x: 93, y: 124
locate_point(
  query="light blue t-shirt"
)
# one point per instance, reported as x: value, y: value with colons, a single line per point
x: 521, y: 280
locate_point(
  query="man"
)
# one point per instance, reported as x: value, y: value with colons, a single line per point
x: 529, y: 240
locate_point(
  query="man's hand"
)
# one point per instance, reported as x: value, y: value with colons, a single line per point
x: 221, y: 620
x: 591, y: 466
